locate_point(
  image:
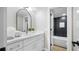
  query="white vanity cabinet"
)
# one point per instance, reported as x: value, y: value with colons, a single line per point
x: 31, y: 43
x: 15, y: 46
x: 35, y: 43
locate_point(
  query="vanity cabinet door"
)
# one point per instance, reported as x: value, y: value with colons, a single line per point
x: 35, y: 43
x: 28, y: 41
x: 28, y: 44
x: 29, y: 47
x: 15, y: 46
x: 39, y: 43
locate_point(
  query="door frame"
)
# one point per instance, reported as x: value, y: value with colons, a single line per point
x: 69, y: 28
x: 51, y: 27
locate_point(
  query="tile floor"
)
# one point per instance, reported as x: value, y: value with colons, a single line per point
x: 57, y: 48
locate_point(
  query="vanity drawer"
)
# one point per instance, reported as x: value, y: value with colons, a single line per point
x: 15, y: 46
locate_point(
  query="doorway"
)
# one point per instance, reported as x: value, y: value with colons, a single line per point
x: 58, y: 17
x: 67, y: 31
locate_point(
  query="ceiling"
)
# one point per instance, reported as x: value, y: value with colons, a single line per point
x: 57, y: 12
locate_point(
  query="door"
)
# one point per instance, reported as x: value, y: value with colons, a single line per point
x: 69, y: 27
x: 76, y: 28
x: 3, y: 20
x: 51, y: 27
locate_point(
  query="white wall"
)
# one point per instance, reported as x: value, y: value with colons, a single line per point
x: 3, y: 26
x: 69, y: 28
x: 11, y: 16
x: 76, y: 27
x: 42, y: 19
x: 58, y: 11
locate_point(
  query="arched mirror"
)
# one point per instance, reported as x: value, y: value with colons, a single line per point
x: 23, y: 20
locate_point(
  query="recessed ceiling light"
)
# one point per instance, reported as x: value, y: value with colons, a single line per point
x: 62, y: 18
x: 64, y: 14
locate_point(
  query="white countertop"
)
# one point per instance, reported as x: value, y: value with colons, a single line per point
x: 30, y: 34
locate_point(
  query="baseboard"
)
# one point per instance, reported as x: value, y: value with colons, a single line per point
x: 45, y: 49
